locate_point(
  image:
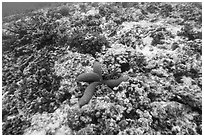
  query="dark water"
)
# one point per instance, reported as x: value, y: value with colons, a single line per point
x: 10, y: 8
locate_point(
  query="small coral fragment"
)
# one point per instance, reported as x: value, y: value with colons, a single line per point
x: 88, y: 94
x: 88, y: 77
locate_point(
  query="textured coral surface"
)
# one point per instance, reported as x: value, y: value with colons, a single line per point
x: 157, y: 46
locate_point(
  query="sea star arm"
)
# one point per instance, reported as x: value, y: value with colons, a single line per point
x: 114, y: 82
x: 88, y: 77
x: 97, y: 69
x: 88, y: 93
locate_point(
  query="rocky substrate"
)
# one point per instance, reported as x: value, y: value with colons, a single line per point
x: 157, y: 45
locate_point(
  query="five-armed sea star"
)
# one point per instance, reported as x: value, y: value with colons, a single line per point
x: 95, y: 78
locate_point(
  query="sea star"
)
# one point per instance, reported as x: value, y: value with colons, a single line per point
x: 95, y: 78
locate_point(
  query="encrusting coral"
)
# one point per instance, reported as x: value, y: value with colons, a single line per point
x: 95, y: 78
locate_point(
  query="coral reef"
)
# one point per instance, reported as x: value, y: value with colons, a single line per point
x: 136, y: 65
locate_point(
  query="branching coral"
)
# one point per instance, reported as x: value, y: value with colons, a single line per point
x: 95, y: 78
